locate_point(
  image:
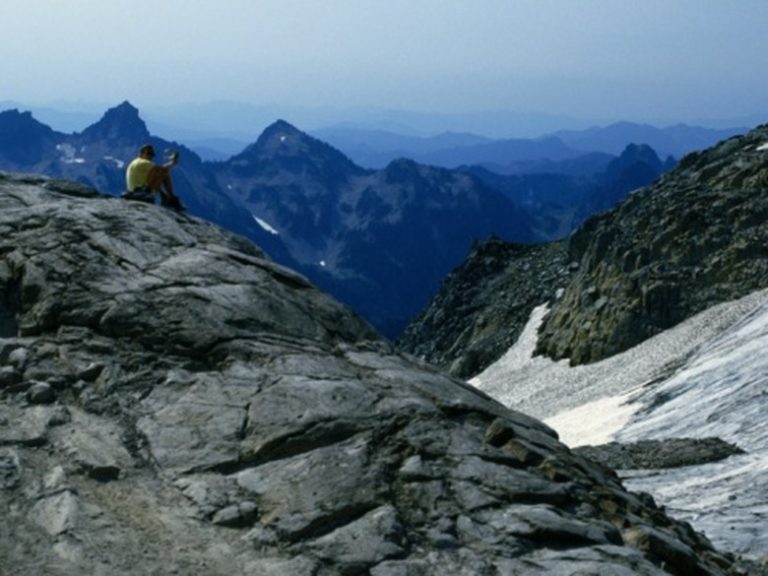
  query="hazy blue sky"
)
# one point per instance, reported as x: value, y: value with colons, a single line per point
x: 601, y: 59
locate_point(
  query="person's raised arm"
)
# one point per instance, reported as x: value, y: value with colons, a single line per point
x: 174, y: 159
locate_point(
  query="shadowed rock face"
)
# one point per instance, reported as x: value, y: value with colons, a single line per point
x: 484, y: 304
x: 174, y: 402
x: 694, y: 239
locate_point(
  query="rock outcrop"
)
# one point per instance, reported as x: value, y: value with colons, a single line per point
x: 695, y: 238
x: 171, y: 401
x: 97, y: 158
x: 654, y: 454
x: 484, y: 304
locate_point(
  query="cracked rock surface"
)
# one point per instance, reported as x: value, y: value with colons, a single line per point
x: 695, y: 238
x: 208, y: 412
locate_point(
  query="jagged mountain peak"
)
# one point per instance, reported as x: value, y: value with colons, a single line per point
x: 633, y: 155
x: 23, y: 139
x: 283, y: 142
x: 121, y: 123
x: 281, y: 128
x: 13, y: 121
x: 639, y: 151
x: 279, y: 133
x: 405, y: 170
x: 283, y: 139
x: 400, y: 164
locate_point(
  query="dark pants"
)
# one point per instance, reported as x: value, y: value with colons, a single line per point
x: 144, y: 194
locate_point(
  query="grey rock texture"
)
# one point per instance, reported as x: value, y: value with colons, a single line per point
x: 653, y: 454
x: 484, y: 304
x: 695, y: 238
x: 216, y: 414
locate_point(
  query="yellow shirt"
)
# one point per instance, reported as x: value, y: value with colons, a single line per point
x: 137, y: 172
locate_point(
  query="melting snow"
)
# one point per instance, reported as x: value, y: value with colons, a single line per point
x: 119, y: 163
x: 266, y: 226
x: 704, y: 377
x: 68, y: 154
x: 762, y: 147
x: 606, y: 416
x: 543, y: 388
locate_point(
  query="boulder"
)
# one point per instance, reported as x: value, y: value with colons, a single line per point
x: 41, y: 393
x: 653, y: 454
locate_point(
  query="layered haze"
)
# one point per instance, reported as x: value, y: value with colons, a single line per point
x: 495, y: 68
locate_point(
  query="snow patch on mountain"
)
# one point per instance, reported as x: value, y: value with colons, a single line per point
x: 69, y: 154
x: 266, y: 226
x: 720, y: 392
x: 605, y: 416
x: 120, y: 164
x: 705, y: 377
x: 543, y: 387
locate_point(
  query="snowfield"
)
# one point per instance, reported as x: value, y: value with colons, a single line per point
x: 706, y: 377
x: 265, y: 226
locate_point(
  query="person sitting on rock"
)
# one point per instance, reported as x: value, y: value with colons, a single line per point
x: 144, y: 179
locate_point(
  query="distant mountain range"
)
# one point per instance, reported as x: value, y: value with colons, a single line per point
x: 379, y: 240
x: 374, y: 137
x: 692, y: 239
x: 557, y: 152
x: 676, y: 141
x: 99, y: 154
x: 557, y: 203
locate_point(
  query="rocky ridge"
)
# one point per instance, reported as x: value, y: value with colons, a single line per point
x: 380, y: 241
x: 171, y: 401
x: 484, y: 304
x: 655, y: 454
x: 97, y: 158
x: 695, y: 238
